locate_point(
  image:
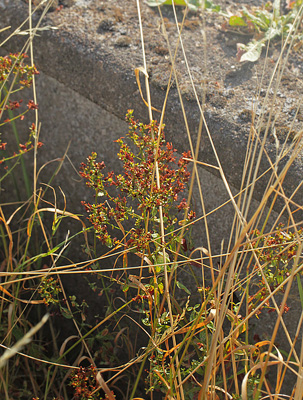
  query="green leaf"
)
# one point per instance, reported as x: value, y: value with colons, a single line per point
x: 209, y: 5
x: 257, y: 21
x: 192, y: 4
x: 125, y: 287
x: 181, y: 286
x: 159, y: 261
x: 300, y: 290
x: 266, y: 18
x: 252, y: 51
x: 66, y: 313
x: 273, y: 32
x: 18, y: 333
x: 234, y: 20
x: 155, y: 3
x: 276, y: 9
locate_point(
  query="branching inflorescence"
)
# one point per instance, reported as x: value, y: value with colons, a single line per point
x: 137, y: 185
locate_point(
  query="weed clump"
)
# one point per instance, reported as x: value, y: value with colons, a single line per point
x: 142, y: 186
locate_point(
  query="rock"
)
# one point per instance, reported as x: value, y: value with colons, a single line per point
x: 105, y: 25
x: 123, y: 41
x: 54, y: 4
x: 68, y: 3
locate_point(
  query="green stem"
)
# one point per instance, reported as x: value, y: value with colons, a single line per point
x: 138, y: 377
x: 24, y: 170
x: 4, y: 241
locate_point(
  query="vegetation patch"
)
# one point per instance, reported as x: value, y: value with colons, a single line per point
x: 174, y: 319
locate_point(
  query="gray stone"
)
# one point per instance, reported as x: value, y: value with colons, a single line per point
x: 123, y: 41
